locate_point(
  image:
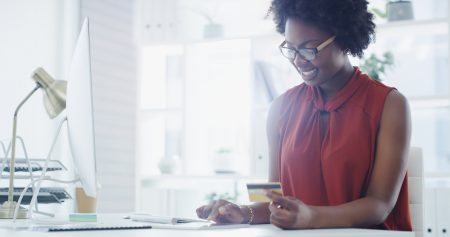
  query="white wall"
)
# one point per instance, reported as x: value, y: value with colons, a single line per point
x: 43, y: 33
x: 29, y: 39
x: 34, y: 33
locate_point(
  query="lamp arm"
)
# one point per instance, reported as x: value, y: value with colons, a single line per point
x: 26, y: 98
x: 13, y: 147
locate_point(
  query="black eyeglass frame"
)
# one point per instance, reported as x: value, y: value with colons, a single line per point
x: 309, y: 53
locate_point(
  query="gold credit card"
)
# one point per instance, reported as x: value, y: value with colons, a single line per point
x: 257, y: 191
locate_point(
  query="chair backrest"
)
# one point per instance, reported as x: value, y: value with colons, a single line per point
x: 416, y: 189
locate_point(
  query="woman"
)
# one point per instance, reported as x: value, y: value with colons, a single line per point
x: 338, y: 142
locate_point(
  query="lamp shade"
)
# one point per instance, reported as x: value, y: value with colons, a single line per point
x: 54, y: 92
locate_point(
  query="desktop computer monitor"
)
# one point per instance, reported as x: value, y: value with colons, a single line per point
x: 80, y: 116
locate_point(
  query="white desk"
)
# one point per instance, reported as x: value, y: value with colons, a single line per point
x: 253, y: 231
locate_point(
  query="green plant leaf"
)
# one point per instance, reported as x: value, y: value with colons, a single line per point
x: 375, y: 66
x: 378, y: 12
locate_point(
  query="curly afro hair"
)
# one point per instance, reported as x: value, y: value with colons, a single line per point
x: 348, y: 20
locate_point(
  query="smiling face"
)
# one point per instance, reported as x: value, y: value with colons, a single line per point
x: 328, y: 63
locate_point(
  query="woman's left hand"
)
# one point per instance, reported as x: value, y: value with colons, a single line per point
x: 289, y: 212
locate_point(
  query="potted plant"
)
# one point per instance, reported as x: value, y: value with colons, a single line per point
x: 378, y: 12
x: 375, y: 66
x: 169, y: 165
x: 398, y: 10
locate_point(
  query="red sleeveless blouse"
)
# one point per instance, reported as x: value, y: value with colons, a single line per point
x: 336, y: 169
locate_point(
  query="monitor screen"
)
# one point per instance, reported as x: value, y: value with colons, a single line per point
x: 79, y: 109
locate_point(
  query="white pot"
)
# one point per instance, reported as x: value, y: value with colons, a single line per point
x: 169, y: 165
x: 399, y: 10
x: 224, y: 163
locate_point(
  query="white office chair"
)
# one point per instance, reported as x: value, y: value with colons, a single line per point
x: 415, y: 188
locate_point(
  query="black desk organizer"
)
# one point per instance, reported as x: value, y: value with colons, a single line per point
x: 22, y: 171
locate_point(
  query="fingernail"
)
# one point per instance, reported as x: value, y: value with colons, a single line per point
x: 222, y: 210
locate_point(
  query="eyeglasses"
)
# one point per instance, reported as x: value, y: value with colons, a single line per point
x: 307, y: 54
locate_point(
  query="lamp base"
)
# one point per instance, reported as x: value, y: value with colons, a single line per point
x: 8, y: 208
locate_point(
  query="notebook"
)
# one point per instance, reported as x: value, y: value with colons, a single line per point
x: 88, y: 227
x: 166, y: 222
x: 198, y: 226
x: 144, y: 217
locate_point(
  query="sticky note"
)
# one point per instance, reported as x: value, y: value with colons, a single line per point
x: 83, y: 217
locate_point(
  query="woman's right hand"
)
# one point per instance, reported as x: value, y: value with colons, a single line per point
x: 222, y: 211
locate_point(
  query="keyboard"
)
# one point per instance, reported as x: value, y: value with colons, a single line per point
x: 21, y: 165
x: 46, y: 195
x: 34, y: 167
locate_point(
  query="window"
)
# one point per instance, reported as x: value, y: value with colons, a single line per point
x: 195, y: 103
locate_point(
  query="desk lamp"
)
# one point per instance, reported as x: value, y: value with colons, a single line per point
x: 54, y: 103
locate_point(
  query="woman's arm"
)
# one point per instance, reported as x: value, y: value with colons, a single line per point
x: 384, y: 187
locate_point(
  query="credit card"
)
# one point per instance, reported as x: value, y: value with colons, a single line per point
x: 257, y: 191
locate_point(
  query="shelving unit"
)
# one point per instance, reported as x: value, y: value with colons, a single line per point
x: 27, y: 170
x: 430, y: 25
